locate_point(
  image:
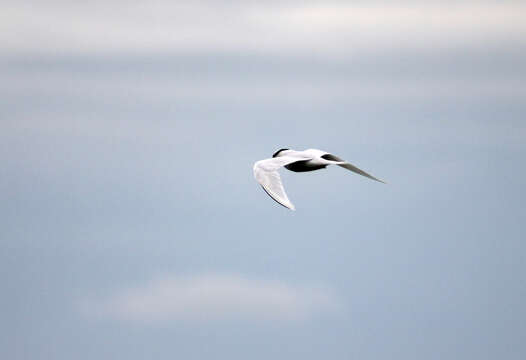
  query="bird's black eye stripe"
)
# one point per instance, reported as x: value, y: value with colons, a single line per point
x: 277, y: 152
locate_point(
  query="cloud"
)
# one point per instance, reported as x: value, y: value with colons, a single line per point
x: 212, y: 297
x: 287, y: 82
x: 335, y: 28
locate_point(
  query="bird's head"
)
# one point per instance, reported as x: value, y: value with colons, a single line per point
x: 279, y: 153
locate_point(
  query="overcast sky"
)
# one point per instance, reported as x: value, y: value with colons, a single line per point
x: 131, y: 224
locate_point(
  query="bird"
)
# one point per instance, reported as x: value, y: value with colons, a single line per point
x: 266, y: 171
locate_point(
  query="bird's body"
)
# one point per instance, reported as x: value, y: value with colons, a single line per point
x: 266, y: 171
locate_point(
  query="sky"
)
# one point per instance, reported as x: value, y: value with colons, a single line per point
x: 131, y: 224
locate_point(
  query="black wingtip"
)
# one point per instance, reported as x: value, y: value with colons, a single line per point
x: 272, y: 197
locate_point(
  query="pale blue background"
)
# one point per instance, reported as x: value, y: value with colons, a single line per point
x: 123, y: 163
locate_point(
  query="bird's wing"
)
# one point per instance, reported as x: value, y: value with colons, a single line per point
x: 349, y: 166
x: 266, y: 173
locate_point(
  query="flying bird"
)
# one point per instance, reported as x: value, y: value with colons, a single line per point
x: 266, y: 171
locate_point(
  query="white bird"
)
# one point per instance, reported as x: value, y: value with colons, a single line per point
x: 266, y: 171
